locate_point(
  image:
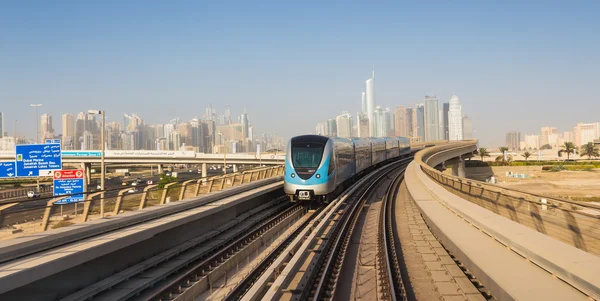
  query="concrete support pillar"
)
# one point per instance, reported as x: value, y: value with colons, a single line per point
x: 235, y: 168
x: 145, y: 195
x: 87, y: 171
x: 160, y: 171
x: 183, y: 188
x: 461, y: 169
x: 204, y: 172
x: 119, y: 201
x: 458, y: 168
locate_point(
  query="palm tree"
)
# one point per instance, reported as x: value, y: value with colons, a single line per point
x: 590, y: 150
x: 502, y: 150
x: 483, y: 152
x: 569, y: 148
x: 526, y: 155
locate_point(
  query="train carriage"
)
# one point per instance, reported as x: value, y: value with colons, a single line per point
x: 362, y: 154
x: 378, y: 150
x: 392, y: 147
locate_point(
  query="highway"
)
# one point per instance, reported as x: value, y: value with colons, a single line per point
x: 33, y: 209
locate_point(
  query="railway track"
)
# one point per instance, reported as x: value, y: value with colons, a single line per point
x: 167, y: 274
x: 318, y: 269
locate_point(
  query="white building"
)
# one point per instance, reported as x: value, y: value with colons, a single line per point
x: 370, y: 100
x: 455, y: 120
x: 532, y: 141
x: 344, y: 125
x: 7, y: 143
x: 586, y: 132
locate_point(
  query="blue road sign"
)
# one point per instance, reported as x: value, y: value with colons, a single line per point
x: 68, y: 182
x: 7, y: 169
x: 34, y: 160
x: 81, y: 154
x: 52, y: 141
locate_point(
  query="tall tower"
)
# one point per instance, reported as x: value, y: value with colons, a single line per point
x: 68, y: 131
x: 364, y: 103
x: 455, y: 120
x: 432, y: 116
x: 370, y: 99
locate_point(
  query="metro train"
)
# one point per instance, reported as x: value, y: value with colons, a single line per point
x: 317, y: 168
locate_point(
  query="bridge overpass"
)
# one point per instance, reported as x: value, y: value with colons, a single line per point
x: 519, y: 245
x: 462, y: 239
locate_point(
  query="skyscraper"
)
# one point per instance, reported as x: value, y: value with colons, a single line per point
x: 362, y: 125
x: 400, y: 122
x: 344, y: 125
x: 227, y: 114
x: 421, y: 122
x: 47, y: 129
x: 244, y: 121
x: 513, y: 140
x: 432, y: 116
x: 68, y: 131
x: 331, y: 128
x: 467, y: 128
x: 455, y: 125
x: 1, y: 124
x: 321, y: 129
x: 364, y: 103
x: 446, y: 113
x: 370, y: 99
x: 411, y: 122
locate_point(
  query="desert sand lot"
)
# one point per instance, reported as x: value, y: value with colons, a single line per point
x: 564, y: 184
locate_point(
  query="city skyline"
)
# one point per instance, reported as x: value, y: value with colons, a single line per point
x: 523, y: 69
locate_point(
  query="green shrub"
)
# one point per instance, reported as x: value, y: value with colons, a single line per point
x: 557, y: 168
x: 164, y: 180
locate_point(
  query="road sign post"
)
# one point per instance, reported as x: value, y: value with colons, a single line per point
x: 34, y: 160
x: 69, y: 182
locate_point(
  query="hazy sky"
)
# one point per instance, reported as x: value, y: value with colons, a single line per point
x: 516, y: 65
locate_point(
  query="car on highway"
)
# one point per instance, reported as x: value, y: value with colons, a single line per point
x: 132, y: 190
x: 134, y: 183
x: 33, y: 194
x: 124, y: 183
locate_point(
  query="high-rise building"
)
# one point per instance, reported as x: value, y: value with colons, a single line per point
x: 446, y: 117
x: 370, y: 99
x: 68, y: 132
x: 227, y: 114
x: 388, y: 116
x: 379, y: 118
x: 331, y: 128
x: 344, y: 125
x: 175, y: 140
x: 546, y: 132
x: 513, y: 140
x: 362, y: 125
x: 363, y: 103
x: 321, y: 129
x: 2, y: 129
x: 401, y: 124
x: 244, y: 121
x: 568, y: 136
x: 532, y: 142
x: 467, y: 128
x: 432, y: 116
x: 586, y: 132
x: 411, y: 122
x: 455, y: 119
x: 421, y: 121
x: 46, y: 125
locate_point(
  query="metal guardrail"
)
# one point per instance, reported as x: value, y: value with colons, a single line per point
x: 144, y: 196
x: 572, y: 222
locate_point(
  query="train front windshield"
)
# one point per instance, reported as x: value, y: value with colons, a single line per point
x: 307, y: 155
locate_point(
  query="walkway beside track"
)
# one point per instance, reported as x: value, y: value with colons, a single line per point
x: 431, y: 272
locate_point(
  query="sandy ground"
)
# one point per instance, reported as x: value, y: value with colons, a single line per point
x: 560, y: 184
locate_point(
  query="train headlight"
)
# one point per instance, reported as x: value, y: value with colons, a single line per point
x: 318, y: 176
x: 293, y: 175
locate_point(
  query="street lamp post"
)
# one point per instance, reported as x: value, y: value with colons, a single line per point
x: 102, y: 167
x: 37, y: 121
